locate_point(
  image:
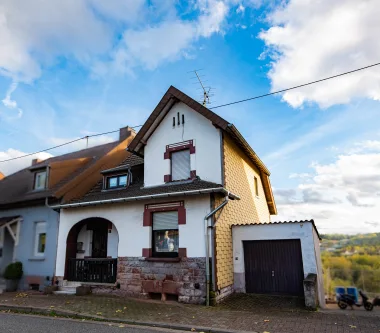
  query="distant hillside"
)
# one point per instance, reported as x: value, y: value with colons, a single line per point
x: 351, y: 261
x: 351, y: 244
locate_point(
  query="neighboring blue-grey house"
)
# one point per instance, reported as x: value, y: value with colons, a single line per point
x: 28, y: 226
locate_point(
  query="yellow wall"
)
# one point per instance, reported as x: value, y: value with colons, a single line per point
x: 239, y: 179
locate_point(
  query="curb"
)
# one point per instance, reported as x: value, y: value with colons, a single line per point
x: 76, y: 315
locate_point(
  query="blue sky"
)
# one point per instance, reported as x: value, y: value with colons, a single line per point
x: 89, y: 66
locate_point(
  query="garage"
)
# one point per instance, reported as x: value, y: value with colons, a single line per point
x: 276, y: 258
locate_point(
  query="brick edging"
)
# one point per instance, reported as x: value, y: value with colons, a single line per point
x: 46, y: 311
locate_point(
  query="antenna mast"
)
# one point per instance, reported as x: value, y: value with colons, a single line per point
x: 206, y: 90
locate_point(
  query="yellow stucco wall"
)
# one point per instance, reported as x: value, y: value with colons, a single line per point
x: 239, y: 179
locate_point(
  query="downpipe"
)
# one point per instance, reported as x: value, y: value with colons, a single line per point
x: 207, y: 243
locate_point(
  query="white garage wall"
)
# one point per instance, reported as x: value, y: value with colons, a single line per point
x: 132, y: 236
x: 304, y: 232
x: 321, y: 290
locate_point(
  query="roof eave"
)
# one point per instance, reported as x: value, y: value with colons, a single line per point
x: 231, y: 196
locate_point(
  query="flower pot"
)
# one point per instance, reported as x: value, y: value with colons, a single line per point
x: 11, y: 285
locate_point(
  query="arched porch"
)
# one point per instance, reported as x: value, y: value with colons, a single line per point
x: 91, y: 251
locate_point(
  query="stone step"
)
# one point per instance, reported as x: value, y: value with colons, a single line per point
x: 64, y: 292
x: 72, y: 284
x: 68, y: 289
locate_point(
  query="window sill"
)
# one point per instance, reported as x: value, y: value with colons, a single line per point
x: 37, y: 259
x: 163, y: 259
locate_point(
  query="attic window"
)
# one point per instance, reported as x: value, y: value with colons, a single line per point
x: 117, y: 181
x: 40, y: 180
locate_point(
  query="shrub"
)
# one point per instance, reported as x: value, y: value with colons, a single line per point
x: 13, y: 271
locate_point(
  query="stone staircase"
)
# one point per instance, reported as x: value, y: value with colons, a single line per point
x: 2, y: 285
x: 67, y: 288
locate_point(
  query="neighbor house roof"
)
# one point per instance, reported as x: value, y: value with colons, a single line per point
x: 71, y: 174
x: 280, y: 222
x: 172, y: 96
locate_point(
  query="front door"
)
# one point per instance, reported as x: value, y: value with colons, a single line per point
x: 99, y: 241
x: 273, y: 267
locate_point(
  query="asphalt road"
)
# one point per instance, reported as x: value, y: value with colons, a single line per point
x: 15, y: 323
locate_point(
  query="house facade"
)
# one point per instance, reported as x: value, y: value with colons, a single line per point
x: 163, y: 217
x: 28, y: 225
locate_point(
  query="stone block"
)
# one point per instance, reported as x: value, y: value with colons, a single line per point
x: 184, y: 299
x: 135, y: 282
x: 49, y: 290
x: 150, y: 286
x: 169, y: 287
x: 134, y: 289
x: 83, y: 290
x: 311, y: 292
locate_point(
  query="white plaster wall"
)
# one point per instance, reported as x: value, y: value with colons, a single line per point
x: 321, y: 290
x: 207, y: 139
x: 128, y: 221
x: 112, y: 242
x: 304, y: 232
x: 85, y: 236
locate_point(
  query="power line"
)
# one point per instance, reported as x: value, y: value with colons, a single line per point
x: 295, y: 87
x: 214, y: 107
x: 63, y: 144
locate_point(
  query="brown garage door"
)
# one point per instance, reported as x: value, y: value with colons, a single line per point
x: 273, y: 267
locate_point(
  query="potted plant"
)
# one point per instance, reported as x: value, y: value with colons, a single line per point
x: 12, y: 275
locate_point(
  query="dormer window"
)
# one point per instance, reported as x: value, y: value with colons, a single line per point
x: 40, y: 180
x: 117, y: 181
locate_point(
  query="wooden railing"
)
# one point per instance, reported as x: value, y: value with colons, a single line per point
x: 92, y: 270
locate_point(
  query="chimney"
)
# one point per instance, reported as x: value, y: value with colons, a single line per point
x: 126, y: 132
x: 36, y: 161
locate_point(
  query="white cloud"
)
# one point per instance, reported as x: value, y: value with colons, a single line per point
x: 86, y: 30
x: 8, y: 102
x: 310, y: 40
x: 43, y: 29
x: 342, y: 196
x: 240, y: 9
x: 13, y: 166
x: 367, y: 145
x: 121, y: 10
x: 167, y: 41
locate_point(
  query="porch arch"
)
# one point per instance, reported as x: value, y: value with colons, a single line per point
x: 92, y: 247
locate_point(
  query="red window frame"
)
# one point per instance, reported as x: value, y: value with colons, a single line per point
x: 178, y: 147
x: 149, y: 209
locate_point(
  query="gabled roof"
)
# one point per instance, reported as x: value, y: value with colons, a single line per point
x: 172, y: 96
x: 18, y: 187
x: 69, y: 176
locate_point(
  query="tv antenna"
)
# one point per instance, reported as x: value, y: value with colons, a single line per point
x: 206, y: 90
